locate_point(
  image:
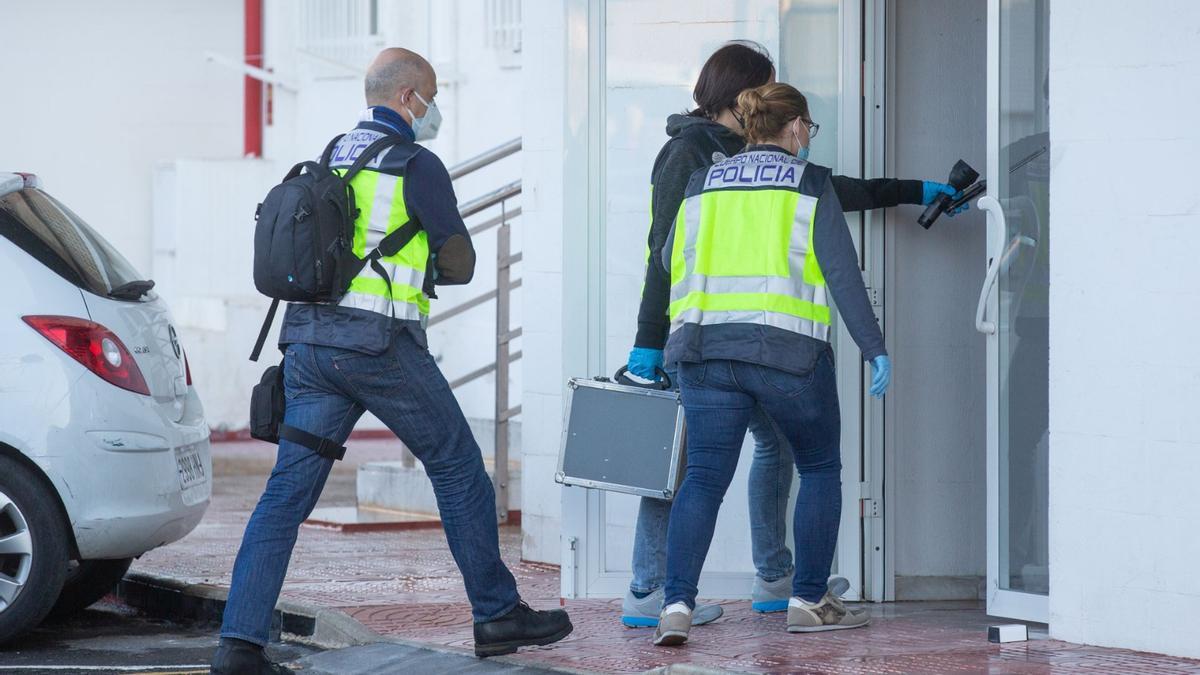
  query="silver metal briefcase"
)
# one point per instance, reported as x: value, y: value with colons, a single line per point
x: 622, y: 438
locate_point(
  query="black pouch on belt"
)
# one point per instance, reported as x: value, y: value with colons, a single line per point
x: 267, y: 405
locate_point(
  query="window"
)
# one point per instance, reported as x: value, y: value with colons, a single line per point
x: 502, y: 31
x: 344, y: 33
x: 45, y: 229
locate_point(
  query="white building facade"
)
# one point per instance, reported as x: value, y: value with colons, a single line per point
x: 1039, y: 448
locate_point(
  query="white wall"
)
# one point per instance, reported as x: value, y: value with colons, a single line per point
x: 96, y: 93
x: 544, y: 128
x: 1124, y: 433
x: 203, y: 229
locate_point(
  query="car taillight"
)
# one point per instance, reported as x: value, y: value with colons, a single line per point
x: 95, y: 346
x: 187, y: 369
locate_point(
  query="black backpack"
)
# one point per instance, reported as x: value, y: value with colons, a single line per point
x: 304, y: 232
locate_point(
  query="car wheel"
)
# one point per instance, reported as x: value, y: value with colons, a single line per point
x: 87, y: 582
x: 33, y: 549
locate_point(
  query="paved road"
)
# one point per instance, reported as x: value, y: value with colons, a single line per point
x: 110, y: 639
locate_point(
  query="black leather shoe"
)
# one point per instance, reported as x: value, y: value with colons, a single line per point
x: 522, y: 626
x: 238, y: 657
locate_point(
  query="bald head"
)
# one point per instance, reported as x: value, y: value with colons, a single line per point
x: 395, y: 74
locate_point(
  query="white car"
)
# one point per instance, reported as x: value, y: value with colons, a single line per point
x: 104, y: 451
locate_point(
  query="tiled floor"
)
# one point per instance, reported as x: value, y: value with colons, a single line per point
x: 405, y: 584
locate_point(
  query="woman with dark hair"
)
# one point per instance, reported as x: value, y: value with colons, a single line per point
x: 759, y: 250
x: 711, y: 132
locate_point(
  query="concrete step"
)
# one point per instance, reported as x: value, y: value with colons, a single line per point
x: 484, y: 431
x: 392, y: 486
x: 350, y: 519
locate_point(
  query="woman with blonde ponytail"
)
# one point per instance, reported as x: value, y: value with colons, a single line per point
x: 758, y: 250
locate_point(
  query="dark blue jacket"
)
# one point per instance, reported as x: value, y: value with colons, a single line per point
x: 429, y: 198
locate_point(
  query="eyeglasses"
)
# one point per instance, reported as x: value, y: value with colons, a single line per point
x: 813, y: 128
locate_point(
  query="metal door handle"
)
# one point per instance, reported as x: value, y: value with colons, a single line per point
x: 990, y: 205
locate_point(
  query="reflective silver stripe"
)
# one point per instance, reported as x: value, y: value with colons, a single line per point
x: 691, y: 232
x: 700, y: 283
x: 381, y: 209
x: 786, y: 322
x: 806, y: 209
x: 398, y: 273
x: 378, y: 303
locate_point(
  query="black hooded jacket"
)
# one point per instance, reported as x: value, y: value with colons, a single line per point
x: 696, y: 143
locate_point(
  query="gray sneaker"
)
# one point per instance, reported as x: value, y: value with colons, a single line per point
x: 828, y: 614
x: 673, y: 625
x: 643, y: 612
x: 773, y: 596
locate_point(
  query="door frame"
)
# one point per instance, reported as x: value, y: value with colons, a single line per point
x: 1000, y: 602
x: 585, y: 569
x: 860, y: 558
x: 877, y: 552
x: 583, y: 260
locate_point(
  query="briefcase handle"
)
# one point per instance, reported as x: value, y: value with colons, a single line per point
x: 663, y: 384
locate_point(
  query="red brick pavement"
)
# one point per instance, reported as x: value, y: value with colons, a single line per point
x: 405, y: 584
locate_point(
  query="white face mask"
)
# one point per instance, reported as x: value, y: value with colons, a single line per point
x: 425, y: 128
x: 801, y: 152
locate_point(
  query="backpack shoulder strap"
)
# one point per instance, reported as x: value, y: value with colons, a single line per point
x: 327, y: 153
x: 310, y: 166
x: 266, y: 328
x: 370, y: 152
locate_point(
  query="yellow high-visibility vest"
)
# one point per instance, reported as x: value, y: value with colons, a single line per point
x: 379, y: 197
x: 743, y: 248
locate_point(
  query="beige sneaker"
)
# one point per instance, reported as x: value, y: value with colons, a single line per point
x: 673, y: 625
x: 828, y: 614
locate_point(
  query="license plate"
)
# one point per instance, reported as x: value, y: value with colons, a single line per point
x: 190, y: 466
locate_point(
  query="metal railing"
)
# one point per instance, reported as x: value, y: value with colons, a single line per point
x: 502, y: 295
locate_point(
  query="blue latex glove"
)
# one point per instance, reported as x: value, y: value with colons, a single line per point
x: 930, y: 191
x: 645, y: 363
x: 881, y: 375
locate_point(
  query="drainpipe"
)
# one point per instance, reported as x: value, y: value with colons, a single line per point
x: 253, y: 95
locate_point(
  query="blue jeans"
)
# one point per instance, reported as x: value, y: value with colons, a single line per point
x: 327, y: 391
x: 769, y: 489
x: 719, y: 399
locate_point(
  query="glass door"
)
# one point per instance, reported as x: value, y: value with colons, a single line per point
x: 1013, y: 308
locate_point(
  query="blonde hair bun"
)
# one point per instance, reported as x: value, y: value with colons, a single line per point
x: 766, y: 110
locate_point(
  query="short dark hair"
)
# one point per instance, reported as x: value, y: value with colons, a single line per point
x: 732, y: 69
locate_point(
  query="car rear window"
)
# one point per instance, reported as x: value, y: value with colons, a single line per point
x: 50, y: 232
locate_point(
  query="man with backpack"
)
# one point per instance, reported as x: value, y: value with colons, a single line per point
x: 358, y: 344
